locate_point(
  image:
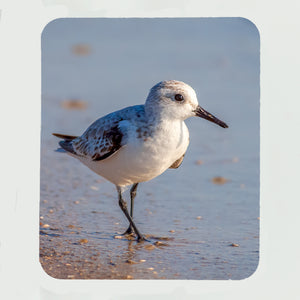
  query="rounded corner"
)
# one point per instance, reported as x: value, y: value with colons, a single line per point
x: 50, y: 23
x: 253, y: 274
x: 46, y: 273
x: 252, y: 24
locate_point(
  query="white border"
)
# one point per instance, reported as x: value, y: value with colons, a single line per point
x: 21, y: 276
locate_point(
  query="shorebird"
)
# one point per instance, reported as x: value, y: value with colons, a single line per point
x: 140, y: 142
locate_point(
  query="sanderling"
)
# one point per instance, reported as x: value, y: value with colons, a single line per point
x: 140, y: 142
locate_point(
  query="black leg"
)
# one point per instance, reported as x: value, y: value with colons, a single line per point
x: 123, y: 206
x: 132, y: 196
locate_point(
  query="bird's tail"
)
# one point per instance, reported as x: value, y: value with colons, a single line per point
x: 65, y: 136
x: 66, y: 145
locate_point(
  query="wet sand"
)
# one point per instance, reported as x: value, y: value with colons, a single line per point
x: 198, y: 235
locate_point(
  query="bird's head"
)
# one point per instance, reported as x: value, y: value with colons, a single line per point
x: 174, y: 99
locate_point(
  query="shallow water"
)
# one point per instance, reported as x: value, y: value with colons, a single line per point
x: 198, y: 229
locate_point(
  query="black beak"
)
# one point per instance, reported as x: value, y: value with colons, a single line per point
x: 200, y: 112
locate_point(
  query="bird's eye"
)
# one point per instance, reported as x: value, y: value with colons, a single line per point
x: 179, y: 97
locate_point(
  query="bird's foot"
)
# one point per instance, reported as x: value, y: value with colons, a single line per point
x: 142, y: 239
x: 129, y: 231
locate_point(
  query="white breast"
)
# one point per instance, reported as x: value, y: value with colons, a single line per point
x: 144, y: 158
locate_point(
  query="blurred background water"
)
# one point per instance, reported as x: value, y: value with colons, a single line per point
x: 209, y: 207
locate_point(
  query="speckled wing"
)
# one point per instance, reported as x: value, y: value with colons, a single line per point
x: 102, y: 139
x: 105, y: 136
